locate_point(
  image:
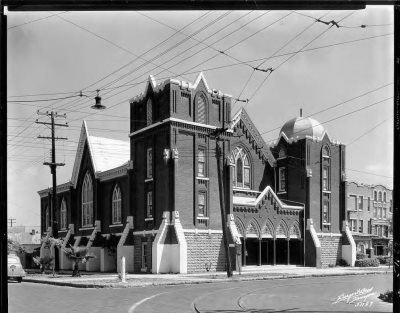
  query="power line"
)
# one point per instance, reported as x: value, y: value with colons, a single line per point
x: 110, y: 42
x: 343, y: 115
x: 166, y: 51
x: 370, y: 173
x: 199, y: 41
x: 32, y: 21
x: 335, y: 105
x: 276, y: 52
x: 225, y: 66
x: 125, y: 65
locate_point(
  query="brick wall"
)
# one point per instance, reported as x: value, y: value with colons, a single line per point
x: 331, y: 250
x: 202, y: 248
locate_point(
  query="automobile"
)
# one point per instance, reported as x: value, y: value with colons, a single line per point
x: 15, y: 270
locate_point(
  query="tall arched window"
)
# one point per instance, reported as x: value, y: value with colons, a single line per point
x: 149, y: 112
x: 47, y: 213
x: 326, y: 169
x: 241, y: 168
x: 201, y: 109
x: 116, y: 205
x: 63, y: 215
x: 326, y: 187
x: 87, y: 201
x: 380, y: 196
x: 282, y: 153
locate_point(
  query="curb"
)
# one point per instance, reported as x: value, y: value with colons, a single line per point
x: 95, y: 285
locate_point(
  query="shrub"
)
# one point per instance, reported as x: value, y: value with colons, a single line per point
x: 381, y: 259
x: 342, y: 262
x: 367, y: 263
x: 385, y: 259
x: 387, y: 296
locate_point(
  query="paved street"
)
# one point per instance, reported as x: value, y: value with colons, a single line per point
x: 317, y: 294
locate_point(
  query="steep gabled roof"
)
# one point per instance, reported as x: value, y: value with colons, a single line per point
x: 254, y: 134
x: 105, y: 154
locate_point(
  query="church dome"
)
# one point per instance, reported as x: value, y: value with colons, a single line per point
x: 300, y: 127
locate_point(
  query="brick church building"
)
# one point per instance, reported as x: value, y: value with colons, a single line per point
x: 156, y: 199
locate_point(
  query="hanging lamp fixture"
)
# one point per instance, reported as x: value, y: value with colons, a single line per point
x: 98, y: 105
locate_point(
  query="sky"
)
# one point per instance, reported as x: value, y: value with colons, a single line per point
x: 340, y: 76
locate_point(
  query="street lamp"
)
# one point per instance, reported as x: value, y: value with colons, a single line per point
x: 98, y: 105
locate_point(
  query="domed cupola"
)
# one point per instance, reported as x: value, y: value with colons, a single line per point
x: 300, y: 127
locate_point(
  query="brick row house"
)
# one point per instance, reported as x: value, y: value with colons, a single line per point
x: 156, y: 199
x: 369, y: 214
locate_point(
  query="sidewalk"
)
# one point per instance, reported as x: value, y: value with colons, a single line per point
x: 107, y: 280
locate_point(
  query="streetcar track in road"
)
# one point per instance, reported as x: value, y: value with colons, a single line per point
x: 240, y: 304
x: 135, y: 305
x: 193, y: 305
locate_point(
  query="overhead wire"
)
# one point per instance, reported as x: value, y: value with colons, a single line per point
x: 123, y: 66
x: 166, y: 51
x: 224, y: 66
x: 199, y: 41
x: 343, y: 115
x: 293, y: 55
x: 335, y: 105
x: 36, y: 20
x: 138, y: 77
x: 275, y: 53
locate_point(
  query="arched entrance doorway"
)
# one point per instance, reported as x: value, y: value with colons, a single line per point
x: 251, y: 245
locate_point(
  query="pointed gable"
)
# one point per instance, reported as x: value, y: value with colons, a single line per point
x: 105, y: 154
x: 201, y: 82
x: 242, y: 119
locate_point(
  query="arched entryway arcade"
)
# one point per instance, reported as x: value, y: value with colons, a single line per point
x: 267, y: 245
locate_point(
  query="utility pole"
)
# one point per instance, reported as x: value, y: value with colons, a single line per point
x: 11, y: 220
x: 53, y: 165
x: 396, y: 165
x: 222, y: 200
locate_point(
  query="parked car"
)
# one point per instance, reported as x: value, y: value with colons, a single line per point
x: 15, y: 270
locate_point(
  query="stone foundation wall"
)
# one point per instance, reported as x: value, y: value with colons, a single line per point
x: 202, y: 248
x: 331, y: 250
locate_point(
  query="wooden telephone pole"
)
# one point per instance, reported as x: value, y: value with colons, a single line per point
x: 53, y: 165
x: 222, y: 198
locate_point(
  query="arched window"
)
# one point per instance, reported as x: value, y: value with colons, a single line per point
x: 326, y: 187
x: 380, y: 196
x: 384, y: 196
x: 375, y: 195
x: 282, y: 153
x: 326, y: 153
x: 326, y: 169
x: 47, y: 217
x: 241, y: 168
x: 116, y: 205
x: 201, y: 108
x: 87, y: 201
x: 149, y: 112
x: 63, y: 215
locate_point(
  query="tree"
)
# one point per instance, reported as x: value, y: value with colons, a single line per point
x: 14, y: 246
x: 75, y: 254
x: 46, y: 260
